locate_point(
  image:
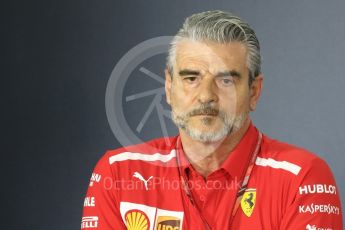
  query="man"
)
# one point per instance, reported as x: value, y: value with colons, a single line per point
x: 220, y: 172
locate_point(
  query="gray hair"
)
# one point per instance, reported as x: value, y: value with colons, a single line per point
x: 221, y: 27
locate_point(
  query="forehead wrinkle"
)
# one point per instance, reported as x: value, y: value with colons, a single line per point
x: 210, y: 56
x: 192, y: 63
x: 202, y: 63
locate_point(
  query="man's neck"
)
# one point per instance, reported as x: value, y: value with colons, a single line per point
x: 206, y: 157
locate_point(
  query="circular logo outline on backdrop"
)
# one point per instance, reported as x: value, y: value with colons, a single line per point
x: 118, y: 78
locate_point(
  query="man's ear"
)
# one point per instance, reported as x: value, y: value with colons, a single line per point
x: 255, y: 91
x: 168, y: 83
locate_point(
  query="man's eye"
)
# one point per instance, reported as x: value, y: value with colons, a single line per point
x: 226, y: 81
x: 190, y: 79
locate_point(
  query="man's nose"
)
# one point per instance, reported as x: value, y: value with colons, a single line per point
x: 208, y: 91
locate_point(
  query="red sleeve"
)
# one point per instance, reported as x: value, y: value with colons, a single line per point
x: 100, y: 207
x: 314, y: 201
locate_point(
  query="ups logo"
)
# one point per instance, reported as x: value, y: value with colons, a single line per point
x: 168, y: 223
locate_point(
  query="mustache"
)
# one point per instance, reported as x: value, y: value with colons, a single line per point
x: 204, y: 110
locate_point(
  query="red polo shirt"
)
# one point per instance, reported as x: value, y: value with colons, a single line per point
x: 217, y: 191
x: 139, y: 187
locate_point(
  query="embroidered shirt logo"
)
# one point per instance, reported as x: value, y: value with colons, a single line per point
x: 140, y: 177
x: 137, y: 220
x: 248, y: 201
x: 310, y: 227
x: 168, y: 222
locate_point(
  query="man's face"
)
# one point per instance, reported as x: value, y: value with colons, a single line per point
x: 209, y: 91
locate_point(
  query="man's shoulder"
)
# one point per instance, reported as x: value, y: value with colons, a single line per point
x: 292, y: 157
x: 161, y: 145
x: 159, y: 149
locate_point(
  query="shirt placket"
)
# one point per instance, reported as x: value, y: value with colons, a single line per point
x: 198, y: 190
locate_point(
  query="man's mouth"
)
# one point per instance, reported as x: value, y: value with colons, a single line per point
x: 205, y: 112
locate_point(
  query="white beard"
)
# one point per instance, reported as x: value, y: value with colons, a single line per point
x: 230, y: 125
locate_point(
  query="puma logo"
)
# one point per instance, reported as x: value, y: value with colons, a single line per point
x: 140, y: 177
x: 249, y: 200
x: 309, y: 227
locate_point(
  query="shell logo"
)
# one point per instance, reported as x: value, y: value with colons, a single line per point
x: 137, y: 220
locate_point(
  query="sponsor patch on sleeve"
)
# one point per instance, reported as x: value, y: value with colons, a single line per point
x: 89, y: 222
